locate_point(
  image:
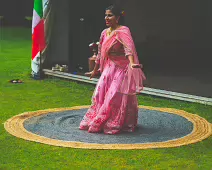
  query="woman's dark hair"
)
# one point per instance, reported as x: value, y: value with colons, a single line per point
x: 117, y: 11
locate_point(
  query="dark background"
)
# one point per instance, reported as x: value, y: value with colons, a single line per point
x: 14, y: 12
x: 167, y: 33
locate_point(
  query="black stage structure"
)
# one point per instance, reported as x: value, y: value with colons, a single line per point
x: 173, y: 39
x: 71, y: 27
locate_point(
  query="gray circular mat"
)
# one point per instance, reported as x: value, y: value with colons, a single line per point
x: 153, y: 126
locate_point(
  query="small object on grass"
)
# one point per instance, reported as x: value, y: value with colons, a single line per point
x: 16, y: 81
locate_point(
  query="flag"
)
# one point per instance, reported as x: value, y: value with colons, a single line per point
x: 38, y: 36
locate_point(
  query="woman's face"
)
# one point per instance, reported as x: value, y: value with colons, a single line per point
x: 110, y: 19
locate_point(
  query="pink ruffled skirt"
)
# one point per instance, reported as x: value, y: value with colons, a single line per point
x: 111, y: 111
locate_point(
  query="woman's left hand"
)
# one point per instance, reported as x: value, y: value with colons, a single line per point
x: 136, y: 66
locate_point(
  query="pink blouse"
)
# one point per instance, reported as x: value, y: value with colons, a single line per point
x: 118, y: 49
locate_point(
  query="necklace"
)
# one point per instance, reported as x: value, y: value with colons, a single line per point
x: 110, y: 30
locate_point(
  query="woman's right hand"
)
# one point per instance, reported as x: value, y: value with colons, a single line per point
x: 92, y: 74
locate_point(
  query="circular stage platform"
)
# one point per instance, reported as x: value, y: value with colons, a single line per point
x: 157, y: 128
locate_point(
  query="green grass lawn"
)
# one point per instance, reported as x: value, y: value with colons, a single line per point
x: 15, y: 56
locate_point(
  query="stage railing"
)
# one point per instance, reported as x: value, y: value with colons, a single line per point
x: 146, y: 90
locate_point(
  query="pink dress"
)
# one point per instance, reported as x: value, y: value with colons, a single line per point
x: 114, y: 103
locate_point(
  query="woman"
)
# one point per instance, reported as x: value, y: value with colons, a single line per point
x: 114, y: 104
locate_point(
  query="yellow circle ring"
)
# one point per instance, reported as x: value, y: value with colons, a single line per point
x: 202, y: 129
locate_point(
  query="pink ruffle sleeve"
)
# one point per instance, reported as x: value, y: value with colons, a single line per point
x: 133, y: 80
x: 127, y: 51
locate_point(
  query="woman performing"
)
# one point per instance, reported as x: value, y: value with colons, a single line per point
x: 114, y: 103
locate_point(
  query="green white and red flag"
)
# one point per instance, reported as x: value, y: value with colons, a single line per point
x: 38, y: 36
